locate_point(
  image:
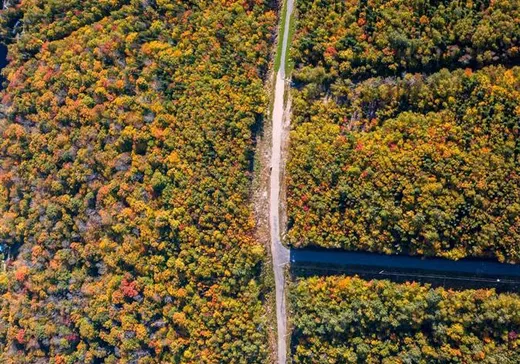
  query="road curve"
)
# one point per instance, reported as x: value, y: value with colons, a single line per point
x: 279, y: 253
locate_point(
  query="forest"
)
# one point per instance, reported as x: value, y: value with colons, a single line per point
x: 128, y: 128
x: 350, y: 320
x: 361, y: 38
x: 404, y: 140
x: 408, y: 146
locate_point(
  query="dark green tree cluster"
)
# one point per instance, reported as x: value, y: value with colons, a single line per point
x: 415, y: 163
x: 127, y: 135
x: 350, y: 320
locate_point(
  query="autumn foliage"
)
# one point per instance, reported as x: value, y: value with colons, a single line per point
x: 359, y: 39
x: 405, y: 140
x: 127, y: 135
x: 391, y: 152
x: 350, y: 320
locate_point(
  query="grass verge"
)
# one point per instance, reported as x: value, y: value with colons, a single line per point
x: 281, y: 32
x: 289, y: 63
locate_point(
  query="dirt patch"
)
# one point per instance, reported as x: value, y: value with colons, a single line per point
x: 260, y: 201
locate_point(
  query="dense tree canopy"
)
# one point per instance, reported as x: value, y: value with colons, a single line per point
x: 359, y: 38
x: 127, y: 135
x: 439, y: 179
x: 347, y: 319
x: 405, y: 139
x: 426, y: 162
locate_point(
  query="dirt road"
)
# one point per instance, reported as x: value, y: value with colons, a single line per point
x: 279, y: 252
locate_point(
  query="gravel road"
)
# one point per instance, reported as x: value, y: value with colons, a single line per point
x: 279, y: 252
